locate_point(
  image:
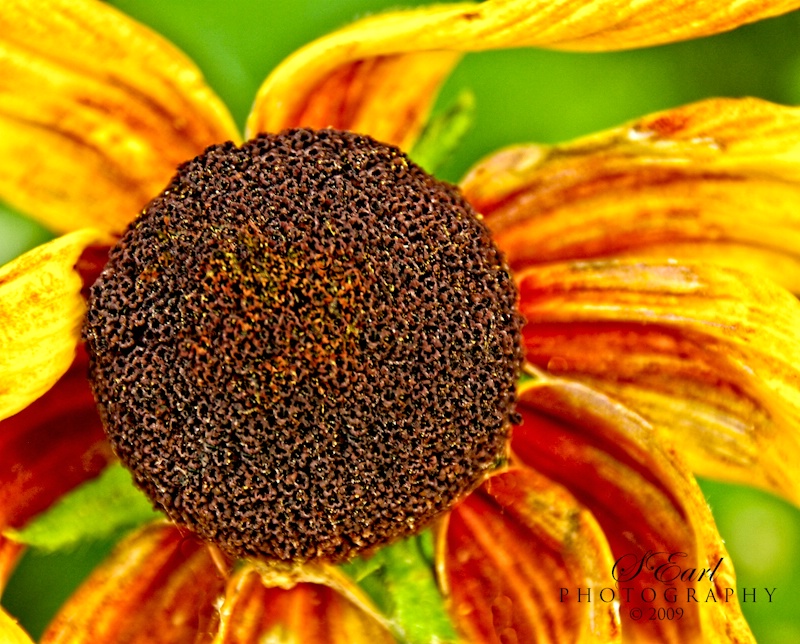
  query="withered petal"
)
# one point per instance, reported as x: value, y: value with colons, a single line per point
x: 716, y: 181
x: 708, y: 355
x: 157, y: 586
x: 645, y: 500
x: 311, y: 613
x: 509, y: 549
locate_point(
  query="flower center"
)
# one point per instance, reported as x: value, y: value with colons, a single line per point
x: 305, y: 346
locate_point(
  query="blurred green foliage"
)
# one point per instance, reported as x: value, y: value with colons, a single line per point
x: 521, y: 95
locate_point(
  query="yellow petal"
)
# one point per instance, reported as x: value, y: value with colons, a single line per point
x: 649, y: 507
x: 96, y: 113
x: 717, y: 180
x: 710, y: 356
x: 301, y: 613
x: 11, y: 632
x: 158, y: 586
x: 379, y: 76
x: 507, y: 552
x: 41, y: 310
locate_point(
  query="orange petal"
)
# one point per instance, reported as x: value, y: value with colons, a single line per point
x: 41, y: 310
x: 304, y: 612
x: 10, y: 552
x: 646, y: 502
x: 96, y: 113
x: 710, y: 356
x: 717, y: 180
x: 11, y: 632
x: 157, y: 586
x: 379, y: 76
x: 50, y: 447
x: 508, y: 551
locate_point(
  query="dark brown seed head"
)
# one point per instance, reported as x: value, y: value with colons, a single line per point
x: 305, y: 347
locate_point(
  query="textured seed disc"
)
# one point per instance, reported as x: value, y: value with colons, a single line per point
x: 305, y: 347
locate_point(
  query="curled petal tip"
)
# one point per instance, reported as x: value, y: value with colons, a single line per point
x: 379, y: 76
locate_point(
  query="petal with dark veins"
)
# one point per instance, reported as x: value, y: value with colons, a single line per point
x: 379, y: 76
x: 508, y: 551
x: 645, y: 501
x: 717, y: 181
x: 710, y: 356
x: 157, y: 586
x: 96, y: 113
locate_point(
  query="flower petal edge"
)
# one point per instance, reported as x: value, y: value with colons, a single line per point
x: 379, y: 76
x: 41, y: 311
x: 716, y: 180
x: 96, y: 113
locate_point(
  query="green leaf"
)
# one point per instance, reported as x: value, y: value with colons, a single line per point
x: 444, y: 132
x: 95, y: 510
x: 19, y: 233
x: 401, y: 582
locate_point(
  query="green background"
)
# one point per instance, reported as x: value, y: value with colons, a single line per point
x: 522, y: 95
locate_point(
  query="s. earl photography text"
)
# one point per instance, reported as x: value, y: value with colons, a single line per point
x: 654, y: 585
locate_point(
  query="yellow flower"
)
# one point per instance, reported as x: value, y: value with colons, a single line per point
x: 644, y: 258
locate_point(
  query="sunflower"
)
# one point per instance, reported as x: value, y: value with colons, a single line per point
x: 659, y: 337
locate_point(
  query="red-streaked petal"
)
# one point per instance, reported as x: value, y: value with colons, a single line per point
x: 305, y: 612
x: 644, y: 500
x: 158, y: 586
x: 507, y: 552
x: 710, y: 356
x: 41, y: 311
x: 50, y: 447
x: 716, y: 180
x: 96, y: 113
x: 10, y: 631
x: 379, y: 75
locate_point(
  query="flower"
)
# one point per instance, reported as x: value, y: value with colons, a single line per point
x: 590, y: 481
